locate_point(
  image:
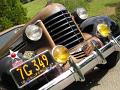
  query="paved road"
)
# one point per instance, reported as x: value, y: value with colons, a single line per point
x: 100, y: 80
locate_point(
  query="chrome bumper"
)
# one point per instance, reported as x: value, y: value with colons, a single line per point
x: 85, y: 65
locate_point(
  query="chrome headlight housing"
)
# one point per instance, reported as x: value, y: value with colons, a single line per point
x: 33, y: 32
x: 82, y: 13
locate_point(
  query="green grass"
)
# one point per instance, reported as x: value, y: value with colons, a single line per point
x: 96, y: 7
x: 102, y: 7
x: 34, y: 7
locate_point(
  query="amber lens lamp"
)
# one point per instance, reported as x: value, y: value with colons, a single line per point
x: 60, y: 54
x: 103, y: 29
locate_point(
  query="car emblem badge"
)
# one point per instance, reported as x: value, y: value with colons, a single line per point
x: 15, y: 59
x: 28, y: 54
x: 13, y: 55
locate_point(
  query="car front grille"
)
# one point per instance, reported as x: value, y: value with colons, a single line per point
x: 62, y: 29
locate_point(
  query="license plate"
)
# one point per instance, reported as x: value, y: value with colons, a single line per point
x: 32, y: 69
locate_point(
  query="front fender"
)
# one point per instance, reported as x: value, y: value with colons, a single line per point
x: 90, y: 25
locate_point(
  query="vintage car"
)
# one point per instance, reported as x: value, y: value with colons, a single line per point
x: 53, y: 50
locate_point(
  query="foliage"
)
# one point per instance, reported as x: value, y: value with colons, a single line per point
x: 12, y: 12
x: 102, y: 7
x: 116, y: 17
x: 25, y: 1
x: 118, y: 13
x: 94, y: 7
x: 5, y: 23
x: 72, y: 4
x: 34, y: 7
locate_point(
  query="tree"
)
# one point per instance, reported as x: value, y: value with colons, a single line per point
x: 11, y: 13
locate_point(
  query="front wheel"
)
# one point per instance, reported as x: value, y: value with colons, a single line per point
x: 112, y: 59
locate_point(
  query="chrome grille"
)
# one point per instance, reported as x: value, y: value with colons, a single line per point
x: 62, y: 29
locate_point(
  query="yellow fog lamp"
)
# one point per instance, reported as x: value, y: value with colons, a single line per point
x: 103, y: 29
x: 61, y: 55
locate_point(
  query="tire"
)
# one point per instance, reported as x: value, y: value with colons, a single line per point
x: 112, y: 60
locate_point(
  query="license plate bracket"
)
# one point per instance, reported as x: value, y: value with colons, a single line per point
x: 32, y: 69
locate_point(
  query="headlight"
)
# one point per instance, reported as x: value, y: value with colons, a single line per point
x: 33, y: 32
x: 103, y: 29
x: 60, y: 54
x: 82, y: 13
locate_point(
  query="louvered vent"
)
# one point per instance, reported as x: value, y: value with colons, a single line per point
x: 78, y: 54
x: 62, y: 29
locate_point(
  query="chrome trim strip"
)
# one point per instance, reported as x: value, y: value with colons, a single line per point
x: 58, y: 22
x: 59, y: 80
x: 72, y: 42
x: 56, y: 17
x: 11, y: 29
x: 64, y: 34
x: 60, y: 26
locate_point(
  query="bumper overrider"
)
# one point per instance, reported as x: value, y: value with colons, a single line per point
x: 85, y: 65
